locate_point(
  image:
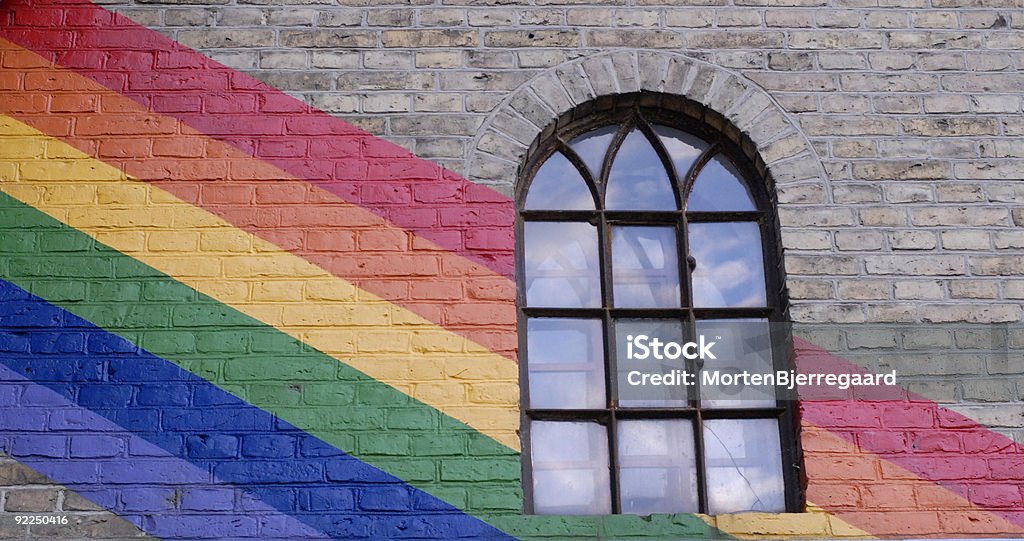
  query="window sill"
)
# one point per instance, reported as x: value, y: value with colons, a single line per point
x: 814, y: 524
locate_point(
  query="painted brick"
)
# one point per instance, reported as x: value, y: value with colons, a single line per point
x: 912, y: 177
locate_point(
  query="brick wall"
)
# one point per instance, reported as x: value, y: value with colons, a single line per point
x: 231, y: 232
x: 913, y: 109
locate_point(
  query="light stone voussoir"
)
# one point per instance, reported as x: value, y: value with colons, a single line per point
x: 540, y: 102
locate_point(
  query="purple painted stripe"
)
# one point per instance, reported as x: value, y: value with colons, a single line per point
x: 161, y: 494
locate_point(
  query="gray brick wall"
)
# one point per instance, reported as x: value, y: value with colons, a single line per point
x: 893, y: 129
x: 974, y: 369
x: 25, y: 492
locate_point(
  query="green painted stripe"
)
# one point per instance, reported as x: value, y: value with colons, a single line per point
x: 340, y: 405
x: 249, y: 359
x: 679, y: 527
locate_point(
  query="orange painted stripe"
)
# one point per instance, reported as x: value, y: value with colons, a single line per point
x: 344, y: 239
x: 874, y: 494
x: 237, y: 109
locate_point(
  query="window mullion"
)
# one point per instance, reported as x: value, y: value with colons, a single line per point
x: 613, y: 462
x: 698, y: 421
x: 690, y: 176
x: 611, y: 386
x: 702, y: 477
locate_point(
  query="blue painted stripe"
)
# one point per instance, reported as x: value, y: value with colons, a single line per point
x: 128, y: 429
x: 157, y: 492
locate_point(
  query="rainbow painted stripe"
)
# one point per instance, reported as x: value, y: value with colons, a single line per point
x: 225, y: 314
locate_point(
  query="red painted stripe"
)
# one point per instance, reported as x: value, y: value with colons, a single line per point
x: 343, y: 239
x: 414, y: 194
x: 917, y: 435
x: 846, y: 481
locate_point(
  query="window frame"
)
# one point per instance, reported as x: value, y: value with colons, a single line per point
x: 632, y: 113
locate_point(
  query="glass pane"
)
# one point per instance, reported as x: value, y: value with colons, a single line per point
x: 741, y: 345
x: 592, y: 146
x: 730, y: 268
x: 656, y: 396
x: 637, y: 180
x: 558, y: 185
x: 682, y: 147
x: 645, y: 267
x: 657, y: 468
x: 562, y: 266
x: 718, y: 187
x: 570, y: 468
x: 744, y: 466
x: 565, y: 359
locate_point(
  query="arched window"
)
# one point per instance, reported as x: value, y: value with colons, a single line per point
x: 647, y: 223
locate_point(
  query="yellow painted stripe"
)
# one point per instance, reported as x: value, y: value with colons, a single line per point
x: 841, y: 528
x: 813, y: 524
x: 385, y: 341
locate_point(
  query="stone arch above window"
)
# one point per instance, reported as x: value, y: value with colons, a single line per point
x: 705, y: 92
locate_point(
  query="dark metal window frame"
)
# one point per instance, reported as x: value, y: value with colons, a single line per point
x: 627, y: 113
